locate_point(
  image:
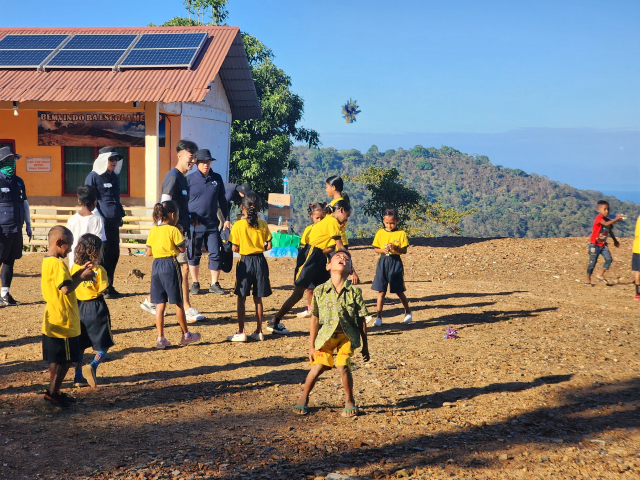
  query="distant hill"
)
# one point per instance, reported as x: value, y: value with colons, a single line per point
x: 510, y: 203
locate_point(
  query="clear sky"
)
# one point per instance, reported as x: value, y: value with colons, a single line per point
x: 521, y: 82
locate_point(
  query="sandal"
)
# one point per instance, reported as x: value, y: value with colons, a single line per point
x: 586, y: 284
x: 603, y: 280
x: 300, y: 409
x: 351, y: 412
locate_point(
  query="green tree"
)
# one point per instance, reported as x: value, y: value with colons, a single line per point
x: 417, y: 216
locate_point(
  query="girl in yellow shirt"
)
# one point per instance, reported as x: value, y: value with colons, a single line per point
x: 316, y: 212
x: 164, y: 244
x: 95, y: 320
x: 250, y: 237
x: 390, y: 243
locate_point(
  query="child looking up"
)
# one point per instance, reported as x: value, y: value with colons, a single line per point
x: 390, y: 243
x: 61, y: 322
x: 602, y: 229
x: 95, y: 320
x: 324, y: 238
x: 164, y: 244
x: 334, y: 186
x: 339, y: 307
x: 316, y: 212
x: 85, y: 221
x: 251, y: 238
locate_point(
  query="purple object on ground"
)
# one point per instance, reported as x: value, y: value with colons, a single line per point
x: 451, y: 333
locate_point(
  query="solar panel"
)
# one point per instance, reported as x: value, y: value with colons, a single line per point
x: 85, y: 58
x: 171, y: 40
x: 174, y: 57
x: 99, y: 42
x: 31, y: 42
x: 23, y: 58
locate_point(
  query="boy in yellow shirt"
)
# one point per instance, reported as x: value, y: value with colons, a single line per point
x: 61, y: 322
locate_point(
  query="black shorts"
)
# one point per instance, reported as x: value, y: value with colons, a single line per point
x: 95, y: 322
x: 313, y: 270
x: 210, y: 240
x: 252, y: 276
x: 166, y: 281
x: 10, y: 246
x: 389, y: 273
x: 635, y: 262
x: 60, y: 350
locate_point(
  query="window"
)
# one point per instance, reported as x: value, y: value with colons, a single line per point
x: 78, y: 162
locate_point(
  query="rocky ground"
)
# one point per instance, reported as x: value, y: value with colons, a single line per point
x: 541, y: 383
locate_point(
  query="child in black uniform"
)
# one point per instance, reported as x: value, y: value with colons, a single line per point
x: 390, y: 243
x: 164, y: 244
x: 95, y: 321
x: 251, y: 238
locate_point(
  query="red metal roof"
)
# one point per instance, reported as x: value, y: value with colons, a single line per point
x: 222, y: 53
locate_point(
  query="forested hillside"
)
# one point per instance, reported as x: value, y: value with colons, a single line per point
x: 510, y: 203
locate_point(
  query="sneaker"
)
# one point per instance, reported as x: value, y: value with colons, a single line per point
x: 257, y: 336
x: 147, y: 306
x: 378, y: 322
x: 112, y: 293
x: 56, y: 401
x: 8, y: 301
x: 636, y: 297
x: 193, y: 315
x: 163, y: 343
x: 237, y: 337
x: 369, y: 319
x: 80, y: 382
x: 305, y: 314
x: 217, y: 289
x: 68, y: 397
x: 195, y: 288
x: 191, y: 337
x: 90, y: 373
x: 408, y: 318
x: 278, y: 329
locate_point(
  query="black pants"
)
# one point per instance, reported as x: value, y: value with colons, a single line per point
x: 111, y: 250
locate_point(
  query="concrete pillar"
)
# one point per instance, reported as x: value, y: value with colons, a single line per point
x: 151, y: 154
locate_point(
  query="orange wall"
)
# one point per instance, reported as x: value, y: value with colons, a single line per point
x: 23, y: 129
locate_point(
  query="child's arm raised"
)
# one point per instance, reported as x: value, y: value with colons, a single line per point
x: 314, y: 326
x: 606, y: 223
x: 77, y: 278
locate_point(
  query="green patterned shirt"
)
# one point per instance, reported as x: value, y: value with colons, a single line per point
x: 335, y: 309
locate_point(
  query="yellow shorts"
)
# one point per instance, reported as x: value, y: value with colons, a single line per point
x: 341, y: 343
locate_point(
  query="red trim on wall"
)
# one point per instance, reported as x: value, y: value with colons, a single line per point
x: 12, y: 142
x: 95, y: 154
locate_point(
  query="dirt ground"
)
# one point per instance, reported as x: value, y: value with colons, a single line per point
x: 543, y: 381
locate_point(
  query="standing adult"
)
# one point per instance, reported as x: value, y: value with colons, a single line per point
x: 14, y: 213
x: 175, y: 187
x: 206, y: 195
x: 105, y: 178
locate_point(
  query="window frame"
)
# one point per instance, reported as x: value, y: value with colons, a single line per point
x: 95, y: 154
x: 11, y: 141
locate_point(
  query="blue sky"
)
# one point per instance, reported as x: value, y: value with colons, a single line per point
x: 549, y: 87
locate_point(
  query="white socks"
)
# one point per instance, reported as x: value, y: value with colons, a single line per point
x: 4, y: 291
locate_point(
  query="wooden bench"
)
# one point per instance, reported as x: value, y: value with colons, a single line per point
x: 136, y: 225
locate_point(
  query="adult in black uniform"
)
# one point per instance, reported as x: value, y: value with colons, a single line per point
x: 206, y: 195
x: 105, y: 179
x: 14, y: 212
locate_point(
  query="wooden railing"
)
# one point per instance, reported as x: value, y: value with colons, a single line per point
x: 136, y: 227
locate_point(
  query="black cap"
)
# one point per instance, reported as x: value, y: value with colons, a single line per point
x: 109, y: 150
x: 5, y: 153
x: 244, y: 188
x: 204, y: 155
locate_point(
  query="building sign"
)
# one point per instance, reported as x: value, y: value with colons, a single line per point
x: 94, y: 129
x: 38, y: 164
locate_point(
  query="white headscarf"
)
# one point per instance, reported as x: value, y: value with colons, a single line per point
x: 102, y: 162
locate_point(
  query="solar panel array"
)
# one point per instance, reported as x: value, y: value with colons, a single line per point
x: 114, y: 51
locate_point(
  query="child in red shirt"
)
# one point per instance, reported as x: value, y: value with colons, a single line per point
x: 602, y: 229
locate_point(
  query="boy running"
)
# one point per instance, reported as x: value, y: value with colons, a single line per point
x: 339, y: 306
x: 602, y: 229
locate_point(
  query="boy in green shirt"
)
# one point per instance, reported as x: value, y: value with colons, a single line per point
x: 340, y: 308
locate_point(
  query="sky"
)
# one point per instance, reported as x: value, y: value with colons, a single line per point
x: 550, y: 87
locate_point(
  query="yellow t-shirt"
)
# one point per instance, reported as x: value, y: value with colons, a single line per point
x: 636, y: 242
x: 324, y: 232
x: 335, y: 200
x: 343, y: 228
x: 248, y: 239
x: 91, y: 289
x: 304, y: 239
x: 397, y: 237
x: 164, y: 241
x: 61, y: 316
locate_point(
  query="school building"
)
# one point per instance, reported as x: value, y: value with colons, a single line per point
x: 66, y: 92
